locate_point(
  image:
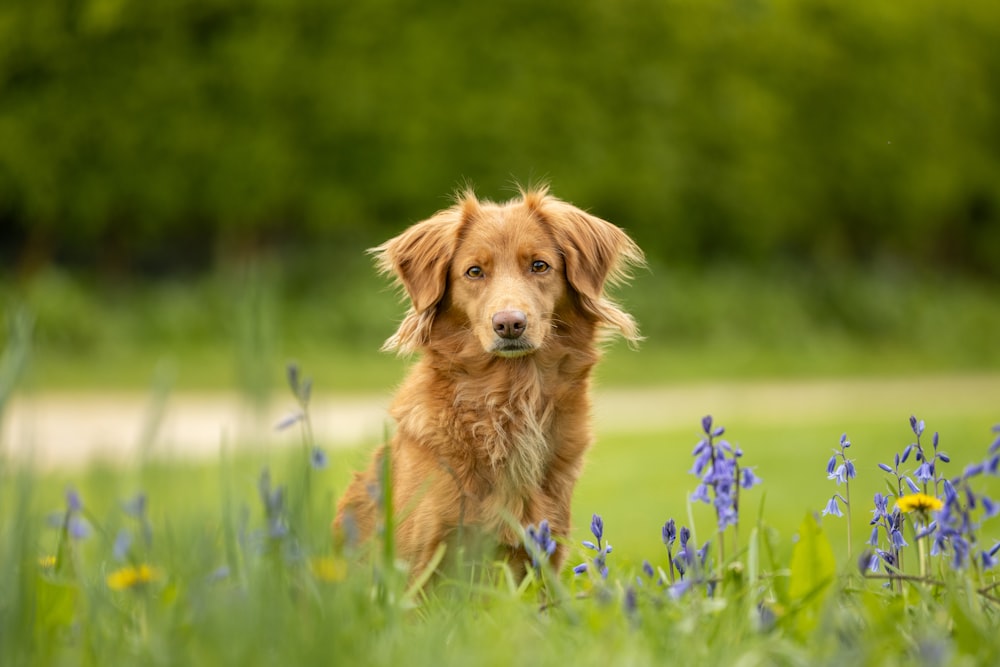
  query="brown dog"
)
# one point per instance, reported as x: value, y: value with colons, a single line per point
x: 508, y: 308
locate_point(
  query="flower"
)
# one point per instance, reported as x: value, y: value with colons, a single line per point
x: 717, y: 466
x: 318, y: 459
x: 132, y: 577
x: 669, y: 533
x: 328, y: 569
x: 539, y: 543
x: 919, y: 502
x: 600, y: 560
x: 832, y: 507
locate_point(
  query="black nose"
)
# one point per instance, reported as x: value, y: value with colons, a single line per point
x: 510, y: 323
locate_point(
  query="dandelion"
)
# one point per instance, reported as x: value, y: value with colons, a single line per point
x: 132, y: 577
x: 328, y: 569
x: 919, y: 502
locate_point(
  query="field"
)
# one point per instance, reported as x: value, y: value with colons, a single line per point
x: 227, y: 559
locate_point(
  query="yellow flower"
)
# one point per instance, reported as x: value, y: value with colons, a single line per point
x: 328, y: 569
x: 130, y: 577
x: 47, y: 562
x: 918, y: 502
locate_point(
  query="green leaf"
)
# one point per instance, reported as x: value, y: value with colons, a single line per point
x: 813, y: 571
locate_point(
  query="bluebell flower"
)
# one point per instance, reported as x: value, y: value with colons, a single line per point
x: 917, y: 425
x: 77, y: 527
x: 318, y: 459
x: 136, y: 506
x: 669, y: 533
x: 70, y: 520
x: 832, y: 507
x: 989, y: 557
x: 831, y: 466
x: 123, y: 542
x: 925, y: 472
x: 868, y: 560
x: 881, y: 507
x: 720, y: 475
x: 597, y: 526
x: 274, y: 505
x: 539, y: 543
x: 289, y: 420
x: 603, y: 549
x: 749, y: 479
x: 631, y: 602
x: 73, y: 502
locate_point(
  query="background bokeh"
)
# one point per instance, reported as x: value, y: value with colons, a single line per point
x: 796, y: 171
x: 149, y: 137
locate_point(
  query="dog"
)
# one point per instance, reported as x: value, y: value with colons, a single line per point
x: 507, y: 310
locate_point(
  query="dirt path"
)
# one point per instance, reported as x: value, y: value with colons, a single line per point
x: 69, y: 429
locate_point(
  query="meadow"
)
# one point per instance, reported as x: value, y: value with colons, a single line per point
x: 148, y: 560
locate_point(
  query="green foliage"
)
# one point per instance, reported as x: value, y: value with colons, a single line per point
x: 236, y: 327
x: 148, y: 136
x: 811, y: 575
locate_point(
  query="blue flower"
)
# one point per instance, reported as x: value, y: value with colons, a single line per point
x: 318, y: 459
x: 669, y: 533
x: 832, y: 507
x: 123, y: 542
x: 539, y: 543
x: 599, y: 560
x: 597, y: 527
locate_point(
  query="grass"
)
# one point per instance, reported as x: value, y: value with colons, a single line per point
x: 223, y: 592
x: 235, y: 330
x: 226, y: 583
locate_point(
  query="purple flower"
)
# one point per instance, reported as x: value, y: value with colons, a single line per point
x: 538, y: 543
x: 669, y: 533
x: 597, y: 527
x: 600, y: 559
x: 318, y: 459
x: 123, y: 542
x: 73, y: 502
x: 77, y: 527
x: 831, y: 466
x: 832, y: 507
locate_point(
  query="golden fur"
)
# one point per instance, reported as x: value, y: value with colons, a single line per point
x: 507, y: 309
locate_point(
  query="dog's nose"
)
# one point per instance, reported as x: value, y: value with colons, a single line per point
x: 510, y: 323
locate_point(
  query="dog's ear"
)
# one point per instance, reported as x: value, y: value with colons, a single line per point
x: 419, y: 258
x: 596, y: 253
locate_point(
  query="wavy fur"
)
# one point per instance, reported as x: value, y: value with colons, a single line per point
x: 491, y: 430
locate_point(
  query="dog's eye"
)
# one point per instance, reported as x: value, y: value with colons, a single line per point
x: 538, y: 266
x: 474, y: 272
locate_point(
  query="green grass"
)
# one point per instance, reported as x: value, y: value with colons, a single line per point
x: 295, y: 600
x: 273, y: 608
x: 237, y: 328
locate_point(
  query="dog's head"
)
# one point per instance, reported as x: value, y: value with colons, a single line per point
x: 505, y: 271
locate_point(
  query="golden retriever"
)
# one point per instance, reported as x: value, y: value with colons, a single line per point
x: 507, y: 310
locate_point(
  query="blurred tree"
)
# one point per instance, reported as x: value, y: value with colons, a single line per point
x: 143, y: 137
